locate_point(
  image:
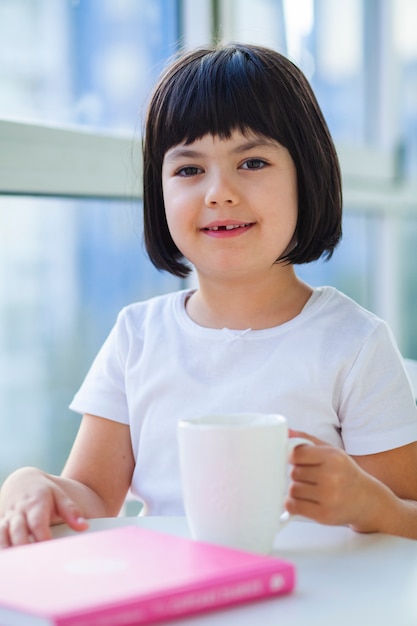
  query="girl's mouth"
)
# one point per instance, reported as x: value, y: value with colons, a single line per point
x: 227, y: 230
x: 228, y: 227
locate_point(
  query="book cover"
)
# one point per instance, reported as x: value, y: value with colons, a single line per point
x: 130, y: 575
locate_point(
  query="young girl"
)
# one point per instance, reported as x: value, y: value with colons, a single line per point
x: 241, y: 181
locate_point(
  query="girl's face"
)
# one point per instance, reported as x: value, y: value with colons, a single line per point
x: 231, y: 204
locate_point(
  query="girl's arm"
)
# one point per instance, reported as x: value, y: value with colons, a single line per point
x: 94, y: 483
x: 373, y: 493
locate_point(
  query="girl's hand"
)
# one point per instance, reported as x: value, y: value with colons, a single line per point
x: 30, y: 502
x: 329, y: 487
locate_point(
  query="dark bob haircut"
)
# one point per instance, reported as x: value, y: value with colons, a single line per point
x: 246, y: 88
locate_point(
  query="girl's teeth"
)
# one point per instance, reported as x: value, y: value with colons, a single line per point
x: 228, y: 227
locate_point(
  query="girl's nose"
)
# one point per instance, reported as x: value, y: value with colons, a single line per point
x: 221, y: 191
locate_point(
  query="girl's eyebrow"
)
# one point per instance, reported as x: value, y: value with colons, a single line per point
x: 179, y: 152
x: 256, y: 143
x: 182, y: 152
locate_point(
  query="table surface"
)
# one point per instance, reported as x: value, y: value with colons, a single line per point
x: 343, y: 578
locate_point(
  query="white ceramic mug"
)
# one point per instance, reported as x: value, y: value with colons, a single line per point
x: 234, y: 477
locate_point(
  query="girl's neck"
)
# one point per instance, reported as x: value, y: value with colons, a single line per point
x: 257, y: 305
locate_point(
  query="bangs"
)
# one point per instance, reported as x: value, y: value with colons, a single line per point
x: 217, y: 93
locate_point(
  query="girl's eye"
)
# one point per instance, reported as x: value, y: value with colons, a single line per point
x: 189, y: 170
x: 254, y: 164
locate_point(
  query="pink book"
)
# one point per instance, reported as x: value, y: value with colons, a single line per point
x: 130, y: 575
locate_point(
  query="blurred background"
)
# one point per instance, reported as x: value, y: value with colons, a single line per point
x: 74, y: 81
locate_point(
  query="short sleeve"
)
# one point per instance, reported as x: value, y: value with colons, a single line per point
x: 377, y: 410
x: 103, y: 391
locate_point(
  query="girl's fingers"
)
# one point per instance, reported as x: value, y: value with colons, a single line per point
x: 19, y: 533
x: 69, y: 512
x: 34, y: 523
x: 300, y: 433
x: 305, y: 474
x: 4, y: 534
x: 306, y: 492
x: 38, y: 521
x: 310, y: 455
x: 305, y: 508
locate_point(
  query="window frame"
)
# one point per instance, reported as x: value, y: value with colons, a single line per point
x: 37, y: 159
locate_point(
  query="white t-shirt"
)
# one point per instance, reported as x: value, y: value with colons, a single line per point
x: 334, y: 371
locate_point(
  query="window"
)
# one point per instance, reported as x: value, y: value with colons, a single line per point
x: 361, y: 59
x: 74, y: 79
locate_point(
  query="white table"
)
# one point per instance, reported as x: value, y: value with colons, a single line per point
x: 344, y: 579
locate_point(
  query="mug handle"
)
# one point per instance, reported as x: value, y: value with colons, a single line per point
x: 292, y: 443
